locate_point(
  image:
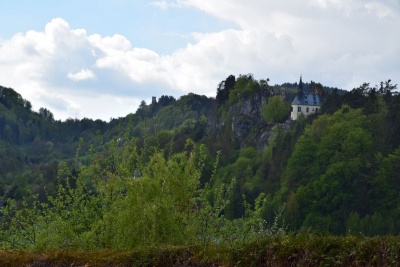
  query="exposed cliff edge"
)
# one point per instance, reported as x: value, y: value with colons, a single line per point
x: 241, y: 114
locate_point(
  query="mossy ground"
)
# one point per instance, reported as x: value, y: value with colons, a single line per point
x: 284, y: 250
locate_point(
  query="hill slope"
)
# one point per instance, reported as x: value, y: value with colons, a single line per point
x: 334, y: 172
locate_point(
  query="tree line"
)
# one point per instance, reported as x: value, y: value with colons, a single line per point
x: 331, y: 172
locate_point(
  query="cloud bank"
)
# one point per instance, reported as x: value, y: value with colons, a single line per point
x: 335, y: 42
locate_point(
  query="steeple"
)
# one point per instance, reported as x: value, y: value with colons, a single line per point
x: 300, y: 90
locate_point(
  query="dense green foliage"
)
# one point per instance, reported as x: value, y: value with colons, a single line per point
x: 276, y: 109
x: 245, y: 87
x: 342, y: 174
x: 199, y: 170
x: 32, y: 144
x: 129, y: 198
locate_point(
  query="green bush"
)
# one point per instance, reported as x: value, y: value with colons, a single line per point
x: 128, y: 198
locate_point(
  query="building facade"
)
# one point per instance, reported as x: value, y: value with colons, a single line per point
x: 305, y: 103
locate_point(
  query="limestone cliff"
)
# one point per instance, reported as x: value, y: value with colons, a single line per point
x: 244, y: 120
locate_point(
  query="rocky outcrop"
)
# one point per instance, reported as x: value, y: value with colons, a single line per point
x: 245, y: 120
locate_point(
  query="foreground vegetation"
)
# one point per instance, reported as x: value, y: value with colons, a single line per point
x: 126, y: 198
x: 204, y: 182
x: 281, y: 250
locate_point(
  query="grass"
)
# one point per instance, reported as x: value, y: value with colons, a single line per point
x: 283, y: 250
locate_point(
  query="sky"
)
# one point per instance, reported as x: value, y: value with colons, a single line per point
x: 100, y: 58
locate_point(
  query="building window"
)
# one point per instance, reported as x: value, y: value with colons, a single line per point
x: 292, y: 108
x: 299, y: 109
x: 307, y: 109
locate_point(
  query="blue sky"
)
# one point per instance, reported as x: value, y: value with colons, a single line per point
x: 138, y: 20
x: 100, y: 58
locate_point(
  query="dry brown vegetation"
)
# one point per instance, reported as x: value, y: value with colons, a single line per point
x: 284, y: 250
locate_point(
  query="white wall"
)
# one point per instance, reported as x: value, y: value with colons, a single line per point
x: 295, y: 113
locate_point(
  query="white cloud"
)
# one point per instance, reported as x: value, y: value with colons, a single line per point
x: 340, y: 43
x: 56, y: 69
x: 379, y: 9
x: 319, y: 34
x: 84, y: 74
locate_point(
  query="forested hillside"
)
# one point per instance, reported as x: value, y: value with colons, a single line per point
x: 342, y: 176
x: 222, y: 168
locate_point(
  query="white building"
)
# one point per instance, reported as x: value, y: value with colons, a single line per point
x: 305, y: 102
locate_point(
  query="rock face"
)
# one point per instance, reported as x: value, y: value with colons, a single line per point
x: 246, y: 122
x: 246, y: 114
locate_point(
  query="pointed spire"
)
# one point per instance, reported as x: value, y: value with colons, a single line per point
x: 300, y: 90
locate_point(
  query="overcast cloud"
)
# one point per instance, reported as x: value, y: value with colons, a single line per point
x: 340, y: 43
